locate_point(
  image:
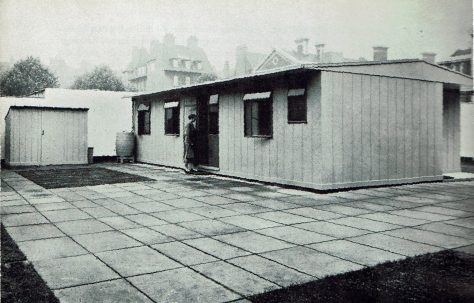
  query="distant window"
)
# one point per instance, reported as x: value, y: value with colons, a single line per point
x: 144, y: 123
x: 297, y: 105
x: 174, y: 62
x: 187, y: 64
x: 258, y: 118
x: 172, y: 118
x: 199, y: 65
x: 214, y: 114
x: 182, y: 80
x: 188, y: 80
x: 175, y: 80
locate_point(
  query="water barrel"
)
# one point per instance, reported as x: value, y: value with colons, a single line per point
x: 124, y: 144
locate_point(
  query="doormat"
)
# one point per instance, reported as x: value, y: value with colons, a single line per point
x: 76, y: 177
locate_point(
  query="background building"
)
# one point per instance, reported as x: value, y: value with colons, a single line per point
x: 167, y: 64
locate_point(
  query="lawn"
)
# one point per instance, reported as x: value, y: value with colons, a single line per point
x: 20, y: 281
x: 446, y: 276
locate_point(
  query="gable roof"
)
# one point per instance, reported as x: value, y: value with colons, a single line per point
x: 416, y: 69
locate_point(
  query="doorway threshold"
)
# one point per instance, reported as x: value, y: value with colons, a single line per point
x: 208, y: 168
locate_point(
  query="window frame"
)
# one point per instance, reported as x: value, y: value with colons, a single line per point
x: 249, y: 104
x: 176, y: 112
x: 142, y: 130
x: 289, y: 101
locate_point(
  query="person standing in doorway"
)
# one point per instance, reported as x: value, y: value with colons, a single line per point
x: 190, y: 137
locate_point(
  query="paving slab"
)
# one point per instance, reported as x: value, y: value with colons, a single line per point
x: 466, y: 205
x: 356, y: 253
x: 249, y: 222
x: 466, y: 249
x: 132, y: 200
x: 429, y: 237
x: 283, y: 217
x: 213, y: 212
x: 71, y: 271
x: 242, y: 197
x: 99, y: 212
x: 184, y: 253
x: 80, y: 227
x: 184, y: 203
x: 83, y: 203
x: 246, y: 208
x: 314, y: 213
x: 271, y: 271
x: 275, y: 204
x: 193, y: 193
x: 34, y: 232
x: 54, y: 206
x: 177, y: 215
x: 310, y: 202
x: 343, y: 209
x: 146, y: 220
x: 182, y: 285
x: 412, y: 213
x: 51, y: 199
x: 294, y: 235
x: 464, y: 222
x: 50, y: 248
x: 253, y: 242
x: 368, y: 204
x: 394, y: 219
x: 137, y: 260
x: 214, y: 200
x: 395, y: 245
x: 449, y: 229
x: 23, y: 219
x: 216, y: 248
x: 116, y: 291
x: 331, y: 229
x: 147, y: 235
x: 103, y: 241
x: 119, y: 222
x: 367, y: 224
x: 17, y: 209
x: 311, y: 262
x: 444, y: 211
x: 150, y: 207
x: 176, y: 231
x: 235, y: 278
x: 65, y: 215
x: 122, y: 209
x: 211, y: 227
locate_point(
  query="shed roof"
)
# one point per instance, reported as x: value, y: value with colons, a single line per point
x: 39, y: 107
x: 408, y: 68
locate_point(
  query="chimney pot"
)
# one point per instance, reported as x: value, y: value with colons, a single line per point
x: 429, y: 57
x: 302, y: 46
x: 380, y: 53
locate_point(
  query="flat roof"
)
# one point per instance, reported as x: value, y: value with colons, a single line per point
x: 45, y: 107
x: 290, y: 69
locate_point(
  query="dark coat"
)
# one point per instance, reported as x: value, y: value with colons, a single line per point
x: 190, y: 136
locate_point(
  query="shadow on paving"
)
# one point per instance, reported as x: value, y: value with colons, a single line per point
x: 75, y: 177
x: 20, y: 281
x: 447, y: 276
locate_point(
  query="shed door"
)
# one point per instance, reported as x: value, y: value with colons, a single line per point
x: 208, y: 130
x: 53, y: 137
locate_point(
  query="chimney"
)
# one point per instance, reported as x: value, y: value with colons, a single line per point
x: 380, y: 53
x: 192, y: 42
x: 319, y: 52
x: 429, y: 57
x: 302, y: 46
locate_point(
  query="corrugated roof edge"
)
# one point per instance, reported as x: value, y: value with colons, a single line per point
x: 291, y: 68
x: 43, y: 107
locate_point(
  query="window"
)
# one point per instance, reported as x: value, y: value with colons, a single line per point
x: 188, y: 80
x: 199, y: 65
x: 258, y: 115
x: 187, y: 64
x: 144, y: 127
x: 214, y: 114
x: 174, y: 62
x: 297, y: 107
x: 172, y: 118
x: 175, y: 80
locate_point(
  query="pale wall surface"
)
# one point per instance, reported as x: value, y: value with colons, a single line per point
x: 109, y: 113
x: 467, y: 129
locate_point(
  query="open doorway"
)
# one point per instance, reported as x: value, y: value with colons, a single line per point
x: 208, y: 130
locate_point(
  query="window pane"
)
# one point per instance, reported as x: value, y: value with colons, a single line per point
x: 146, y: 123
x: 248, y: 118
x: 214, y: 119
x: 297, y: 109
x: 172, y: 120
x: 264, y: 118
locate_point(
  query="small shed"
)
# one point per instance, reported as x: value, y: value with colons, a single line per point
x: 320, y: 126
x: 37, y: 135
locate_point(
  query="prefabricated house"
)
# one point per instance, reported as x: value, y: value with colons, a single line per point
x: 319, y: 126
x: 37, y: 135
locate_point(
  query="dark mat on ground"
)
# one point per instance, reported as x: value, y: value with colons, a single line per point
x: 75, y: 177
x: 446, y: 276
x: 20, y: 281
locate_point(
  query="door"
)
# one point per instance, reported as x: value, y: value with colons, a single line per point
x: 208, y: 130
x: 52, y: 137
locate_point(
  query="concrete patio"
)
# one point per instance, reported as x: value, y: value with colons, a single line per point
x: 185, y: 238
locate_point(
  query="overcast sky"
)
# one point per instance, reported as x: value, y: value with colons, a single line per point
x: 104, y: 31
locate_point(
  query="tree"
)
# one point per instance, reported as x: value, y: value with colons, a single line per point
x: 25, y: 77
x: 206, y: 78
x: 101, y: 78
